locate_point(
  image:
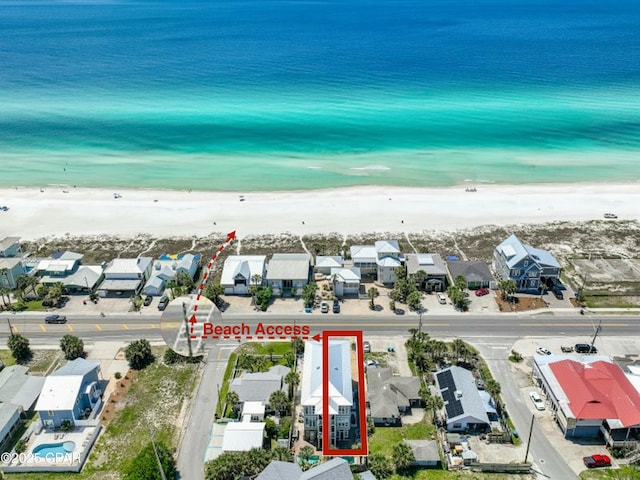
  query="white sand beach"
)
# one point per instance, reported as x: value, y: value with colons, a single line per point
x: 56, y: 212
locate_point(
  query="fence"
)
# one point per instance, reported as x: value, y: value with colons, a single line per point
x: 501, y: 467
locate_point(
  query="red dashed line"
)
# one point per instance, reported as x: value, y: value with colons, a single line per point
x: 305, y: 338
x: 205, y: 276
x: 249, y: 337
x: 204, y: 336
x: 195, y: 308
x: 198, y: 297
x: 259, y: 337
x: 272, y: 338
x: 238, y: 337
x: 226, y: 337
x: 193, y: 336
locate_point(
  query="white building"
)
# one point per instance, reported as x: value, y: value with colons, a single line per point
x: 239, y: 270
x: 340, y: 391
x: 324, y: 264
x: 288, y: 273
x: 165, y: 269
x: 345, y: 281
x: 380, y: 260
x: 125, y: 276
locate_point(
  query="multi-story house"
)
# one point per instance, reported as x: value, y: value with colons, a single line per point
x: 340, y: 392
x: 529, y: 267
x: 379, y: 260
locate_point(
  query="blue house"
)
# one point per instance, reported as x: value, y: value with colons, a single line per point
x: 73, y: 393
x: 529, y: 267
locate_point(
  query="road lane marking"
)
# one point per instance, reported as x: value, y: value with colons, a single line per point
x: 69, y: 327
x: 125, y: 326
x: 542, y: 324
x: 43, y: 328
x: 219, y: 354
x: 98, y: 327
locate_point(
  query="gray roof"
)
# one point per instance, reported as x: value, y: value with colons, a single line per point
x: 7, y: 242
x: 258, y: 387
x: 430, y: 263
x: 335, y: 261
x: 69, y: 255
x: 387, y: 392
x: 367, y: 475
x: 424, y: 450
x: 11, y: 381
x: 460, y: 394
x: 8, y: 412
x: 115, y: 285
x: 9, y: 262
x: 27, y: 396
x: 514, y: 251
x: 278, y: 470
x: 334, y: 469
x: 85, y: 277
x: 79, y: 366
x: 289, y: 266
x: 471, y: 270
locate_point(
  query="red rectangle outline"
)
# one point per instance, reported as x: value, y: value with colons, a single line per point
x: 326, y: 448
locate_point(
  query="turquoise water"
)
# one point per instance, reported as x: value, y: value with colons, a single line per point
x: 54, y: 449
x: 263, y: 95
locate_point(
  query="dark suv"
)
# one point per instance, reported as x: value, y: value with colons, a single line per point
x: 164, y: 301
x: 55, y: 319
x: 336, y: 306
x: 585, y: 348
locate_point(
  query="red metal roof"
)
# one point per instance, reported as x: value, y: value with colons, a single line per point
x: 598, y: 390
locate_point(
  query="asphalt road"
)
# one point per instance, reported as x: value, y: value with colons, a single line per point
x: 128, y: 327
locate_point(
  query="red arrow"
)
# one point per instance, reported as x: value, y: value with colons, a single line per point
x: 317, y: 337
x: 192, y: 320
x: 231, y: 236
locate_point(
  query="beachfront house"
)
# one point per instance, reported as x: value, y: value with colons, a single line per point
x: 340, y: 392
x: 125, y: 276
x: 288, y: 273
x: 379, y: 260
x: 242, y: 271
x: 345, y: 281
x: 71, y: 394
x: 475, y: 273
x: 10, y: 269
x: 9, y: 247
x: 324, y: 264
x: 58, y: 267
x: 434, y: 278
x: 166, y: 268
x: 465, y: 408
x: 389, y: 397
x: 530, y: 267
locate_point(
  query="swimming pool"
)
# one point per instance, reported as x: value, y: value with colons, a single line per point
x: 61, y: 448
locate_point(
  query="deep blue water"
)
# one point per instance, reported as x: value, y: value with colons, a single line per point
x: 264, y: 93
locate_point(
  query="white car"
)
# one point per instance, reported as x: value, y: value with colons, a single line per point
x: 537, y: 401
x: 542, y: 351
x: 441, y: 298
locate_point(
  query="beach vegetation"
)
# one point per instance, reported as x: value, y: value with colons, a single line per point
x: 372, y: 293
x: 181, y: 284
x: 263, y: 297
x: 419, y: 278
x: 400, y: 272
x: 146, y: 464
x: 72, y: 347
x: 19, y: 346
x: 279, y: 402
x: 458, y: 298
x: 139, y: 354
x: 136, y: 302
x: 213, y: 291
x: 234, y: 465
x: 414, y: 300
x: 507, y: 288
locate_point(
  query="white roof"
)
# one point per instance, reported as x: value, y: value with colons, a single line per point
x: 634, y: 369
x: 289, y: 266
x: 59, y: 393
x: 329, y: 262
x: 128, y: 265
x: 252, y: 408
x: 387, y: 246
x: 346, y: 274
x: 243, y: 436
x: 244, y: 265
x: 389, y: 262
x: 363, y: 253
x: 340, y: 392
x: 50, y: 265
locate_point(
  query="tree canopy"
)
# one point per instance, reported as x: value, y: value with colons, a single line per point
x: 145, y: 465
x: 139, y: 354
x: 72, y: 346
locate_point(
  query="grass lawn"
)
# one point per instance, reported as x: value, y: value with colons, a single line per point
x: 7, y: 358
x: 626, y: 472
x: 43, y: 359
x: 35, y: 305
x: 428, y: 474
x: 384, y: 438
x: 256, y: 348
x: 156, y: 399
x: 225, y: 382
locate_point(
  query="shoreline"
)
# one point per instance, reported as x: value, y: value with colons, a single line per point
x: 51, y: 212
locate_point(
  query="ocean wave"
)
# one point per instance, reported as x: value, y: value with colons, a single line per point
x: 371, y: 167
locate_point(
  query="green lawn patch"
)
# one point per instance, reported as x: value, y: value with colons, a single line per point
x: 384, y: 438
x: 266, y: 348
x: 155, y: 399
x: 225, y: 382
x: 43, y: 360
x: 7, y: 358
x: 626, y: 472
x: 35, y: 305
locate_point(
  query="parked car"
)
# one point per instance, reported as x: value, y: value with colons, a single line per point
x: 441, y: 298
x: 324, y: 307
x: 366, y: 346
x: 585, y: 348
x: 542, y: 351
x: 597, y: 461
x: 164, y: 301
x: 147, y: 301
x: 481, y: 292
x: 336, y: 306
x: 55, y: 319
x: 610, y: 215
x: 537, y: 401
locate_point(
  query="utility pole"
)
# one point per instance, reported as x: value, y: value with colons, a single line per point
x: 598, y: 330
x: 186, y: 328
x: 420, y: 324
x: 10, y: 327
x: 533, y: 417
x: 155, y: 450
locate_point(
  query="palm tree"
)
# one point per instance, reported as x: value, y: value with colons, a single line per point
x: 279, y: 402
x: 543, y: 290
x: 372, y: 293
x: 419, y: 277
x: 435, y: 405
x: 402, y: 456
x: 305, y: 454
x: 460, y: 282
x: 282, y: 454
x: 233, y: 400
x: 493, y: 388
x: 293, y: 380
x: 256, y: 279
x: 460, y: 349
x: 400, y: 272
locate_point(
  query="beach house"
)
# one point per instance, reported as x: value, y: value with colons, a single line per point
x: 345, y: 281
x: 324, y: 264
x: 10, y: 247
x: 125, y: 276
x: 389, y: 397
x: 434, y: 268
x: 58, y: 267
x: 71, y: 394
x: 166, y: 268
x: 340, y: 392
x: 529, y: 267
x: 288, y: 273
x: 379, y: 260
x: 10, y: 269
x: 242, y: 271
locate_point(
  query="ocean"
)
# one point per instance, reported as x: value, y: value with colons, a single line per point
x: 278, y: 95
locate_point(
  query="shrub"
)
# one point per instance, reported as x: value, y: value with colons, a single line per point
x: 21, y: 446
x: 118, y: 375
